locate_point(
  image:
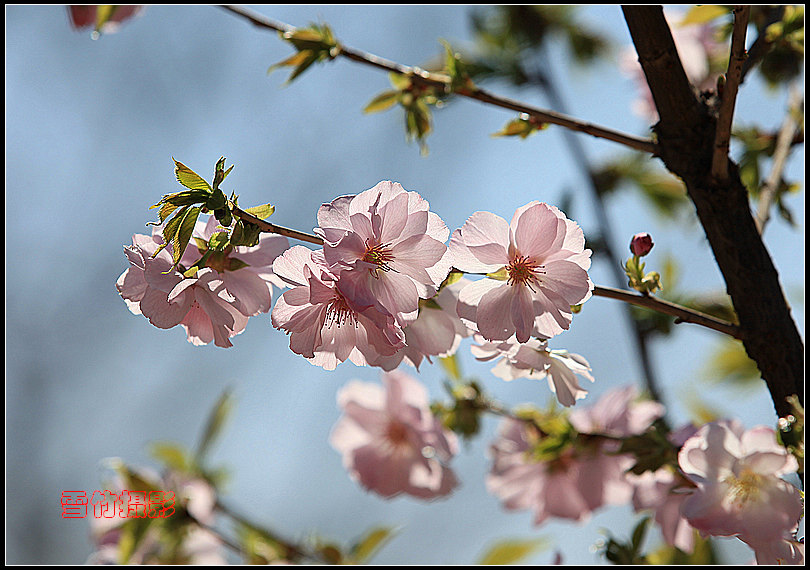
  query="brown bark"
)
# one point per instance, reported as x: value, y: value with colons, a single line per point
x: 685, y: 133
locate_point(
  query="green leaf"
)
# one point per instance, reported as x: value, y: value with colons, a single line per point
x: 245, y: 233
x: 216, y: 421
x: 512, y: 551
x: 184, y: 230
x: 171, y: 228
x: 703, y: 14
x: 371, y: 543
x: 262, y: 212
x: 103, y: 15
x: 172, y: 455
x: 521, y: 127
x: 189, y: 178
x: 451, y: 366
x: 381, y: 102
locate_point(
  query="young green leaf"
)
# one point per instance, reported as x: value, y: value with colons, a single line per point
x: 184, y: 230
x: 189, y: 178
x: 216, y: 421
x: 383, y: 101
x: 512, y: 551
x: 262, y: 212
x: 371, y: 543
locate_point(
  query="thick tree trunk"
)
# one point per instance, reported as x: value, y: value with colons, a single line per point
x: 686, y: 143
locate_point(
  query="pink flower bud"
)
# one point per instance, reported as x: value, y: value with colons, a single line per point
x: 641, y: 244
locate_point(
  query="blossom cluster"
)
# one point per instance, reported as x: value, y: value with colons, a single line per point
x: 726, y: 481
x: 385, y: 288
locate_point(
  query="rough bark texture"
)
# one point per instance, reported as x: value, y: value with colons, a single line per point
x: 685, y: 137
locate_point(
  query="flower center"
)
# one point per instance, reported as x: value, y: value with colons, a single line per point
x: 339, y: 313
x: 396, y: 433
x: 523, y: 270
x: 744, y: 488
x: 379, y: 255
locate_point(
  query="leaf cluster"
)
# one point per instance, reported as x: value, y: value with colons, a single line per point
x: 313, y: 44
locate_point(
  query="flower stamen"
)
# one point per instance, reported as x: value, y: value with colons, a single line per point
x: 523, y: 270
x: 379, y: 255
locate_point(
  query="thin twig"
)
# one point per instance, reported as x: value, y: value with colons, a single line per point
x: 784, y: 141
x: 541, y: 115
x: 722, y: 137
x: 668, y: 308
x: 293, y: 551
x: 274, y: 229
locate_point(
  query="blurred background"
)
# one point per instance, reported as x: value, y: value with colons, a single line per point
x: 91, y: 129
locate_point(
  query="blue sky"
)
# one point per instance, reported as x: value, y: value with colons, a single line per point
x: 91, y: 129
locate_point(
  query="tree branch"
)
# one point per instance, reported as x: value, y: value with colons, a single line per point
x: 722, y: 136
x: 542, y: 115
x: 685, y: 139
x: 784, y: 141
x: 680, y: 312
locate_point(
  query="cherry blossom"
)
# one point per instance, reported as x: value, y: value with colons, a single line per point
x: 201, y: 304
x: 787, y: 550
x: 533, y: 359
x: 572, y: 485
x: 740, y: 491
x: 391, y: 442
x: 387, y: 245
x: 198, y: 545
x: 663, y: 491
x: 697, y: 49
x: 437, y: 331
x: 326, y: 325
x: 85, y: 16
x: 246, y: 271
x: 536, y: 270
x: 618, y: 413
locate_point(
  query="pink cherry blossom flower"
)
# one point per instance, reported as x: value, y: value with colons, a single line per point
x: 84, y: 16
x: 246, y: 271
x: 740, y: 491
x: 787, y: 550
x: 537, y: 268
x: 201, y: 304
x: 326, y: 325
x: 664, y: 492
x: 533, y: 359
x: 388, y: 244
x: 391, y: 442
x: 617, y: 413
x: 437, y: 331
x: 571, y: 486
x: 198, y: 546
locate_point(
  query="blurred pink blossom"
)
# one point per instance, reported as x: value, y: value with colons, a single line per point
x: 697, y: 48
x: 326, y: 325
x: 386, y: 245
x: 86, y: 16
x: 391, y: 442
x: 533, y: 359
x: 571, y: 486
x: 618, y: 413
x: 537, y: 268
x: 740, y: 491
x: 198, y: 546
x: 663, y: 492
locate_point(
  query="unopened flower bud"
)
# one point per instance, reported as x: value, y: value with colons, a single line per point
x: 641, y: 244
